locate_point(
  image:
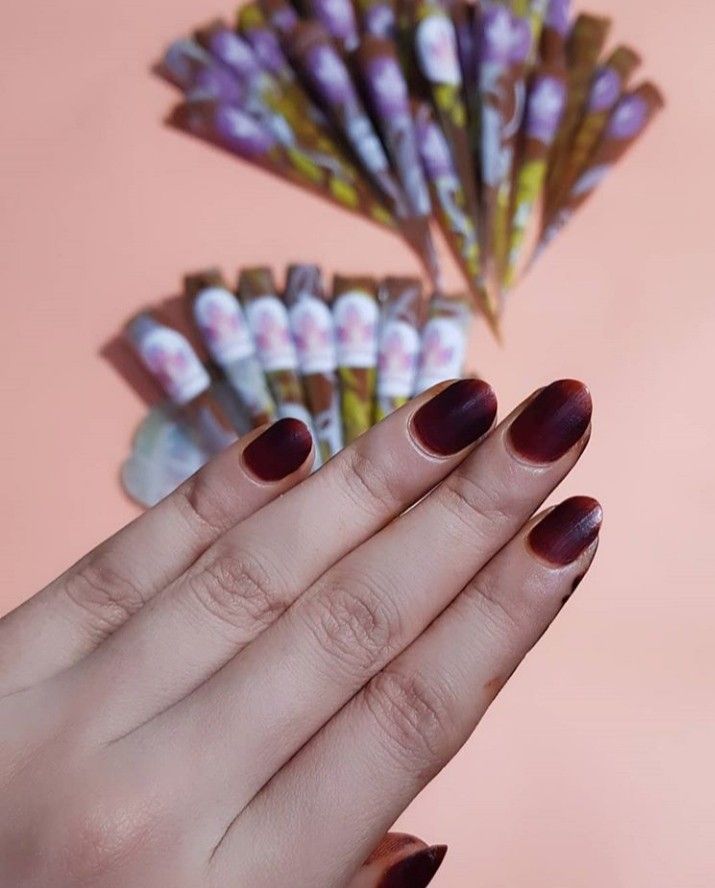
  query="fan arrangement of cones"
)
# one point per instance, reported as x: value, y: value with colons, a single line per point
x: 491, y: 122
x: 339, y: 359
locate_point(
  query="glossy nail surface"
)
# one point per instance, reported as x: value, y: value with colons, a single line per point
x: 550, y: 424
x: 415, y: 871
x: 279, y: 451
x: 567, y: 531
x: 456, y: 417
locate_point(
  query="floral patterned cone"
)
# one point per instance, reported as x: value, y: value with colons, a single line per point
x: 444, y: 341
x: 399, y: 343
x: 311, y: 325
x: 355, y: 312
x: 224, y: 331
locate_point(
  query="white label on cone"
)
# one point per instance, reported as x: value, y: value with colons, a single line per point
x: 443, y: 352
x: 356, y: 316
x: 223, y: 326
x: 312, y: 327
x: 268, y: 320
x: 399, y: 351
x: 172, y: 361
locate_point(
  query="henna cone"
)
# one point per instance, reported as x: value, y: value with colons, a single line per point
x: 444, y: 341
x: 399, y: 343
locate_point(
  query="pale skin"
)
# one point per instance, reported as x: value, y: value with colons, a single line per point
x: 248, y: 684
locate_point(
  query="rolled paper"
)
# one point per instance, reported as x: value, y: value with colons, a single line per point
x: 170, y: 359
x: 444, y: 341
x: 355, y: 313
x: 377, y: 18
x: 505, y: 44
x: 339, y: 20
x: 311, y: 325
x: 225, y: 333
x: 438, y: 59
x: 401, y: 308
x: 388, y: 100
x: 268, y: 321
x: 545, y: 107
x: 329, y: 78
x: 583, y: 49
x: 606, y: 89
x: 627, y: 122
x: 451, y: 205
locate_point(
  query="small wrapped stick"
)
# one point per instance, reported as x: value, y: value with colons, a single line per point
x: 355, y: 312
x: 268, y: 320
x: 545, y: 106
x: 606, y: 89
x: 173, y: 363
x: 628, y: 120
x: 311, y: 324
x: 444, y: 341
x: 401, y: 308
x: 225, y: 333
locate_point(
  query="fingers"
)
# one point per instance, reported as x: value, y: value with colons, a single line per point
x: 366, y: 609
x: 411, y: 719
x: 247, y: 579
x: 400, y: 861
x: 91, y: 600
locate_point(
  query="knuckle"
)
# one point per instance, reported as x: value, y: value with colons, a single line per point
x: 367, y: 483
x: 502, y: 622
x: 196, y: 503
x: 356, y: 624
x: 476, y: 502
x: 240, y: 591
x: 415, y: 720
x: 107, y: 595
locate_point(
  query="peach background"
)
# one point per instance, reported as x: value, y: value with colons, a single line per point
x: 594, y: 767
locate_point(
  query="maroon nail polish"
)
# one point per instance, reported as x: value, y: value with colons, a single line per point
x: 552, y: 422
x: 456, y: 417
x: 415, y: 871
x: 568, y: 530
x: 279, y: 451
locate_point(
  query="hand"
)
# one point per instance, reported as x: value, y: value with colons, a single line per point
x: 249, y: 683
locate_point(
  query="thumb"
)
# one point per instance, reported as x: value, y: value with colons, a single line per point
x: 400, y: 861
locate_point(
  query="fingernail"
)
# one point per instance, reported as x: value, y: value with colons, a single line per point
x: 456, y: 417
x: 552, y: 422
x: 279, y: 451
x: 567, y: 531
x: 415, y: 871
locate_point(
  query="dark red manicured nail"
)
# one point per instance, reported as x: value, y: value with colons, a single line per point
x: 415, y: 871
x: 552, y: 422
x: 456, y: 417
x: 279, y: 451
x: 568, y: 530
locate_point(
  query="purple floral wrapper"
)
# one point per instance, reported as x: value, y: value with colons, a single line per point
x: 505, y: 44
x: 444, y: 341
x: 356, y: 317
x: 450, y: 205
x: 401, y: 308
x: 224, y: 330
x: 628, y: 120
x: 311, y: 325
x: 606, y: 88
x: 545, y: 106
x: 377, y: 18
x: 388, y: 99
x: 329, y: 79
x: 171, y: 360
x: 339, y: 20
x: 583, y: 49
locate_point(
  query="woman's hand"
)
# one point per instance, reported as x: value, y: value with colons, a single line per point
x: 247, y: 685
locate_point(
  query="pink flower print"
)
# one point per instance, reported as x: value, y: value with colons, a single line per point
x: 168, y: 364
x: 271, y: 334
x: 310, y: 334
x: 395, y: 359
x: 434, y: 353
x: 220, y: 325
x: 353, y: 330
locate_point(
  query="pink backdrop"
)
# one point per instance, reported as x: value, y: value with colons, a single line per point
x: 594, y: 767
